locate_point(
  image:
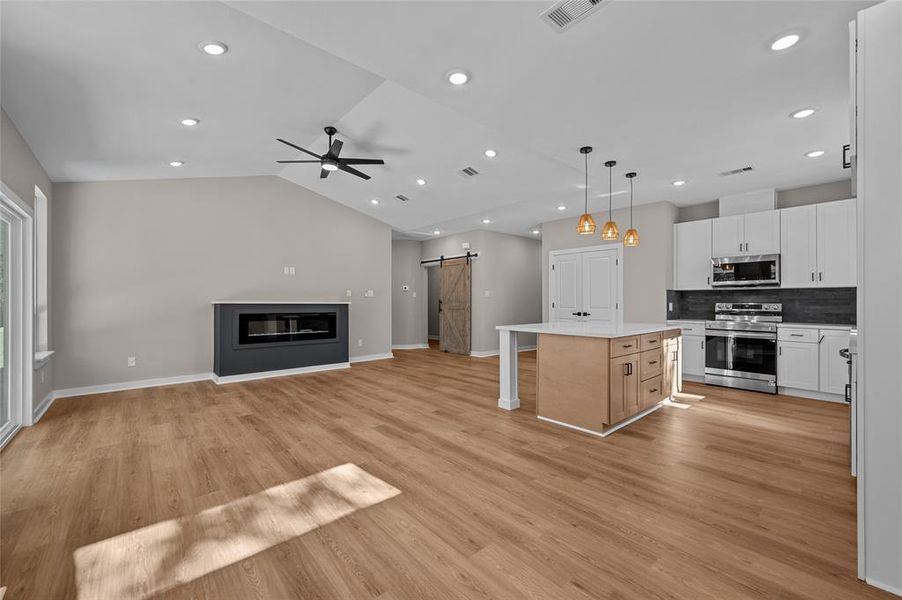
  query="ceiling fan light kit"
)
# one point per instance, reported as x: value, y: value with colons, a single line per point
x: 586, y: 225
x: 631, y: 237
x: 330, y: 161
x: 610, y: 232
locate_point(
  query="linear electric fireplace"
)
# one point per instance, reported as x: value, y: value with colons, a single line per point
x: 257, y: 338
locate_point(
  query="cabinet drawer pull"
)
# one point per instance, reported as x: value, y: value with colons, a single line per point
x: 796, y: 335
x: 653, y: 390
x: 627, y: 345
x: 652, y: 362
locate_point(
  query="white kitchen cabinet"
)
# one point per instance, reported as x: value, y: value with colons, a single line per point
x: 797, y: 365
x: 834, y: 372
x: 798, y: 247
x: 693, y: 359
x: 836, y: 244
x: 761, y: 231
x: 727, y: 236
x: 739, y: 235
x: 692, y: 255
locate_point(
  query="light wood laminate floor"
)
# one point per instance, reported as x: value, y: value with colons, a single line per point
x: 401, y: 479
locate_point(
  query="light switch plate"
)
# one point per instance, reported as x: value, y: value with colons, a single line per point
x: 349, y: 293
x: 132, y: 361
x: 369, y: 293
x: 487, y: 294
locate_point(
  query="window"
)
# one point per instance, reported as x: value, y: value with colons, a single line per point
x: 41, y: 335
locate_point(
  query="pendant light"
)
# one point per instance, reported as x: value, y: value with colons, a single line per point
x: 610, y: 232
x: 631, y: 237
x: 586, y: 225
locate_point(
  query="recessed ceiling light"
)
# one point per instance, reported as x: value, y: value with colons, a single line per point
x: 803, y: 113
x: 486, y: 221
x: 213, y: 48
x: 421, y: 181
x: 374, y: 201
x: 536, y: 232
x: 189, y: 122
x: 491, y: 153
x: 679, y: 182
x: 176, y: 163
x: 814, y: 153
x: 787, y: 41
x: 561, y: 207
x: 458, y: 77
x: 330, y: 167
x: 436, y: 232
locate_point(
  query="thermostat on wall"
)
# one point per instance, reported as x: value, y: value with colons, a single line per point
x: 465, y: 246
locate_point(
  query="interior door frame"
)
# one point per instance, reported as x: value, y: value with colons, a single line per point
x: 21, y: 345
x: 552, y: 254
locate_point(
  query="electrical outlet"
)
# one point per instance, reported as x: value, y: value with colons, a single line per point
x: 670, y: 306
x: 414, y: 294
x: 369, y: 293
x: 284, y: 270
x: 132, y: 361
x: 291, y: 271
x: 487, y: 294
x: 349, y: 293
x: 360, y: 343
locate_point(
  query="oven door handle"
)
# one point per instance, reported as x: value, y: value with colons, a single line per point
x: 741, y: 334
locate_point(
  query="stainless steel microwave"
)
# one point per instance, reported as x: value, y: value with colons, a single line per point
x: 736, y: 271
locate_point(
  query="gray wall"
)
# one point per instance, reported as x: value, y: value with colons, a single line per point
x: 508, y: 268
x: 138, y: 262
x: 408, y: 309
x: 21, y: 172
x: 647, y: 269
x: 811, y: 194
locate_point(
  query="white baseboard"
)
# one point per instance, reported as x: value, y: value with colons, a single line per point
x: 369, y: 357
x: 42, y: 407
x: 812, y: 395
x: 435, y: 337
x: 278, y: 373
x: 616, y: 427
x: 130, y: 385
x: 487, y: 353
x: 409, y: 346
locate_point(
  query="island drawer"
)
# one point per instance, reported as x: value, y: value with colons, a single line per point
x: 623, y: 346
x: 650, y: 341
x: 650, y: 392
x: 650, y: 364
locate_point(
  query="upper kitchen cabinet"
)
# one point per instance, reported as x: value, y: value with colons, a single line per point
x: 836, y: 244
x: 818, y: 245
x: 749, y: 234
x: 692, y: 255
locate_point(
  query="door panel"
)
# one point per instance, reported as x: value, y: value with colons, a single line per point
x: 836, y: 244
x: 624, y: 387
x: 693, y: 355
x: 798, y: 247
x: 797, y: 365
x: 761, y: 231
x: 692, y: 255
x: 599, y: 286
x: 455, y: 307
x: 567, y: 282
x: 726, y: 236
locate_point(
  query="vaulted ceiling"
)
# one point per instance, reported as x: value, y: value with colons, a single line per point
x: 671, y: 89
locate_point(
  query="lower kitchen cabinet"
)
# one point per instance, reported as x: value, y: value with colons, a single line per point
x: 624, y: 387
x: 694, y: 355
x: 834, y: 371
x: 797, y: 365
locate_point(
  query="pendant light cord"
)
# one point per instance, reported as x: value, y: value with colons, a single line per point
x: 631, y: 202
x: 586, y: 206
x: 610, y: 193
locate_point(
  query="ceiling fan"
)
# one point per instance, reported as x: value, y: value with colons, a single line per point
x: 330, y: 161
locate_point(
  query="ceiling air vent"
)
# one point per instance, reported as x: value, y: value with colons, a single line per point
x: 402, y: 197
x: 736, y: 171
x: 469, y: 172
x: 564, y: 15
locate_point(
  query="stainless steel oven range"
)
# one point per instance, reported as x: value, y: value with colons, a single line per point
x: 741, y: 346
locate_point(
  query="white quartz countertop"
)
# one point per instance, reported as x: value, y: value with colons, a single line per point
x: 240, y: 301
x: 586, y: 329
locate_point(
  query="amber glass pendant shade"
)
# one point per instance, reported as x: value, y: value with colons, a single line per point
x: 586, y: 225
x: 610, y: 232
x: 631, y: 238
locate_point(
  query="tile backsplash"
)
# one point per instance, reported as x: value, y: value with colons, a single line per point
x: 835, y: 306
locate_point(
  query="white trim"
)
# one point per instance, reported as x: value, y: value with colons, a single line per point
x: 369, y: 357
x: 513, y: 404
x: 11, y: 195
x: 42, y: 358
x: 41, y: 408
x: 220, y: 380
x: 488, y: 353
x: 435, y: 337
x: 811, y: 395
x: 884, y: 586
x: 616, y: 427
x: 409, y: 346
x: 10, y: 434
x: 130, y: 385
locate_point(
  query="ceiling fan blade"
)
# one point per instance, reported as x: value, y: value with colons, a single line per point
x: 352, y: 171
x: 361, y: 161
x: 335, y: 148
x: 323, y: 173
x: 298, y: 161
x: 298, y: 148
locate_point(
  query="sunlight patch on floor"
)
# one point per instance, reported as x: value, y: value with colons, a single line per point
x: 153, y: 559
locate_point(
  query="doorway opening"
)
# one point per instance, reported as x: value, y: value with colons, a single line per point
x: 449, y: 303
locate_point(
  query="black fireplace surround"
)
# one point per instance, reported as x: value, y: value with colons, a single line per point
x: 255, y: 338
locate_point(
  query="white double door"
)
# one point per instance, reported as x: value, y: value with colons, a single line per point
x: 586, y: 285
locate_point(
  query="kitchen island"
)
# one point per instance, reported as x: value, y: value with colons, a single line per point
x: 594, y: 377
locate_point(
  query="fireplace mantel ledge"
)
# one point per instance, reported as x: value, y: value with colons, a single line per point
x: 239, y: 301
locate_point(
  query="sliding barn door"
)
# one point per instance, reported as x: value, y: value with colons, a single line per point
x: 455, y: 306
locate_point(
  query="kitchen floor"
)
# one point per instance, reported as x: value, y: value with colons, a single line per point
x: 401, y: 479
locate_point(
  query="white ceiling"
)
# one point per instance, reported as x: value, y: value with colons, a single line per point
x: 678, y: 89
